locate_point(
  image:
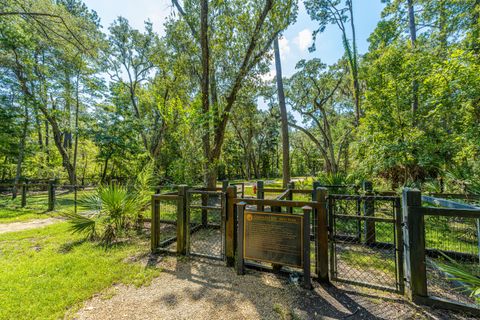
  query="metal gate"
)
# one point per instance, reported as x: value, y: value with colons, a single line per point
x: 365, y: 241
x: 206, y: 224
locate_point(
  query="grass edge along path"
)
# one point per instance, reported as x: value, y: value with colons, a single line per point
x: 46, y: 273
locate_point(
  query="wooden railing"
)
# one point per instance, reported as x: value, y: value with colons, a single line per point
x: 181, y: 218
x: 412, y: 218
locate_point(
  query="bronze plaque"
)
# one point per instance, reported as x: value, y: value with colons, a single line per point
x: 274, y: 237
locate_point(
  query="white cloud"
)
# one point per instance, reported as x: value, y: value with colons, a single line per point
x: 304, y: 39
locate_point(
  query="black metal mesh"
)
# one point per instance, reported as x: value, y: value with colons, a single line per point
x: 363, y: 249
x: 206, y: 224
x: 168, y: 222
x: 454, y: 238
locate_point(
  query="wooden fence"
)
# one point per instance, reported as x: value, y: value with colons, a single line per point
x: 408, y: 241
x: 51, y: 188
x: 414, y: 215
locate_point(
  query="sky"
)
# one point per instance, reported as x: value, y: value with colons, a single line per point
x: 294, y: 44
x: 295, y: 41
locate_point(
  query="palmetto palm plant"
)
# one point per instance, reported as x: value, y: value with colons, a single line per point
x: 339, y: 178
x: 113, y: 209
x: 459, y: 273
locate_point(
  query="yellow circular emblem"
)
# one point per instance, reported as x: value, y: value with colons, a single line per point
x: 249, y: 217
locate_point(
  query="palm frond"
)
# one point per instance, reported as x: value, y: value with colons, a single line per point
x: 116, y: 210
x: 83, y: 225
x: 460, y: 273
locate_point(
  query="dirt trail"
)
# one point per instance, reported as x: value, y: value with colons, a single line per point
x: 27, y: 225
x: 193, y: 289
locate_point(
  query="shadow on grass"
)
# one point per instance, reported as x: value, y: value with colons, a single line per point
x: 69, y: 246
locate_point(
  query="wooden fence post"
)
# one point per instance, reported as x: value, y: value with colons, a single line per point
x: 24, y: 194
x: 240, y: 264
x: 414, y: 244
x: 358, y: 208
x: 369, y: 211
x: 182, y: 220
x: 315, y: 185
x: 260, y: 194
x: 230, y: 225
x: 399, y: 246
x: 277, y: 209
x: 331, y: 236
x: 307, y: 284
x: 205, y: 198
x: 321, y: 226
x: 75, y: 197
x: 155, y: 225
x: 291, y: 186
x: 51, y: 195
x: 224, y: 185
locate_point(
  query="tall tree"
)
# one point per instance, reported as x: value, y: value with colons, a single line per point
x: 237, y: 47
x: 129, y: 57
x: 315, y: 93
x: 58, y: 37
x: 413, y: 40
x: 283, y: 114
x: 332, y: 12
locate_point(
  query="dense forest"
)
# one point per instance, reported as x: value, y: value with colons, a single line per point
x: 79, y: 103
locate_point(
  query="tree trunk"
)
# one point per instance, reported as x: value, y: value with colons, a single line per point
x: 210, y: 174
x: 21, y: 153
x: 39, y: 129
x: 356, y: 85
x: 475, y: 26
x: 283, y: 113
x: 47, y: 142
x: 105, y: 166
x: 75, y: 150
x: 442, y: 25
x: 50, y: 117
x: 413, y: 40
x: 84, y: 156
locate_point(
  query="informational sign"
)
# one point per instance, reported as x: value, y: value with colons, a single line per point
x: 274, y: 237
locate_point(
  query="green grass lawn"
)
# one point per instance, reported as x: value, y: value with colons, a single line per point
x: 37, y: 205
x: 47, y: 272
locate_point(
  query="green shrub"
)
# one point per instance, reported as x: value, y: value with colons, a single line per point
x: 113, y: 209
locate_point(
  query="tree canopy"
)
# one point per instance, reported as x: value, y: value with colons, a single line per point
x: 79, y: 102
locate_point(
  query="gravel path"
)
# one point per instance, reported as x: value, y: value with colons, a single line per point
x: 196, y: 289
x: 27, y: 225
